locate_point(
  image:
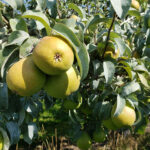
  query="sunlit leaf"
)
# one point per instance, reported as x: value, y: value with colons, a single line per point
x: 121, y: 7
x: 109, y: 70
x: 119, y: 105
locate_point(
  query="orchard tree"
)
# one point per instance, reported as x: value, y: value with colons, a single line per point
x: 92, y: 56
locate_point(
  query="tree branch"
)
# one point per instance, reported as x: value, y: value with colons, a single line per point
x: 108, y: 36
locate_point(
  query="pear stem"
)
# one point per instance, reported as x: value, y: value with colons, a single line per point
x: 108, y: 36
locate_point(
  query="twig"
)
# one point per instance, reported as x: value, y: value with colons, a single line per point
x: 108, y: 36
x: 58, y: 10
x: 5, y: 20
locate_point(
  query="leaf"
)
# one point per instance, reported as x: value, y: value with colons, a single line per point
x: 52, y: 8
x: 14, y: 132
x: 27, y: 46
x: 123, y: 47
x: 119, y: 105
x: 78, y: 9
x: 97, y: 66
x: 77, y: 116
x: 79, y: 49
x: 135, y: 13
x: 9, y: 60
x: 17, y: 37
x: 141, y: 120
x: 4, y: 52
x: 30, y: 133
x: 130, y: 88
x: 21, y: 117
x: 3, y: 96
x: 129, y: 71
x: 109, y: 70
x: 73, y: 119
x: 103, y: 110
x: 19, y: 3
x: 143, y: 80
x: 94, y: 20
x: 148, y: 37
x: 6, y: 139
x: 12, y: 3
x: 18, y: 24
x: 1, y: 20
x: 141, y: 68
x: 36, y: 15
x: 121, y: 7
x: 41, y: 4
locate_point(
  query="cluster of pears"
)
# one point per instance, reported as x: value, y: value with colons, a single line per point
x: 126, y: 118
x: 50, y: 66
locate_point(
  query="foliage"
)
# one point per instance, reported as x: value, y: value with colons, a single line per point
x: 105, y: 80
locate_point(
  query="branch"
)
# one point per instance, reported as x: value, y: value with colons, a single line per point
x: 58, y: 10
x: 108, y: 36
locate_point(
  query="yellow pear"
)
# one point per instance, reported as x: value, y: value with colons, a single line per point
x: 74, y: 17
x: 62, y: 85
x: 135, y: 4
x: 112, y: 54
x: 24, y: 78
x: 126, y: 118
x: 53, y: 55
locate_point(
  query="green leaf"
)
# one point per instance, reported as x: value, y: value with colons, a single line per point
x: 41, y: 4
x: 52, y: 8
x: 36, y: 15
x: 141, y: 68
x: 129, y: 71
x: 21, y: 116
x: 94, y: 20
x: 12, y: 3
x: 141, y: 121
x: 30, y: 133
x: 109, y: 70
x: 17, y: 38
x: 130, y: 88
x: 27, y: 46
x: 14, y: 132
x: 135, y: 13
x: 19, y: 3
x: 103, y: 110
x: 148, y: 37
x: 122, y: 47
x: 13, y: 56
x: 73, y: 119
x: 97, y: 67
x: 18, y: 24
x: 77, y: 116
x: 78, y: 9
x: 71, y: 23
x: 143, y: 80
x: 79, y: 49
x: 147, y: 18
x: 3, y: 96
x: 119, y: 105
x: 146, y: 51
x: 6, y: 139
x: 121, y: 7
x: 1, y: 20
